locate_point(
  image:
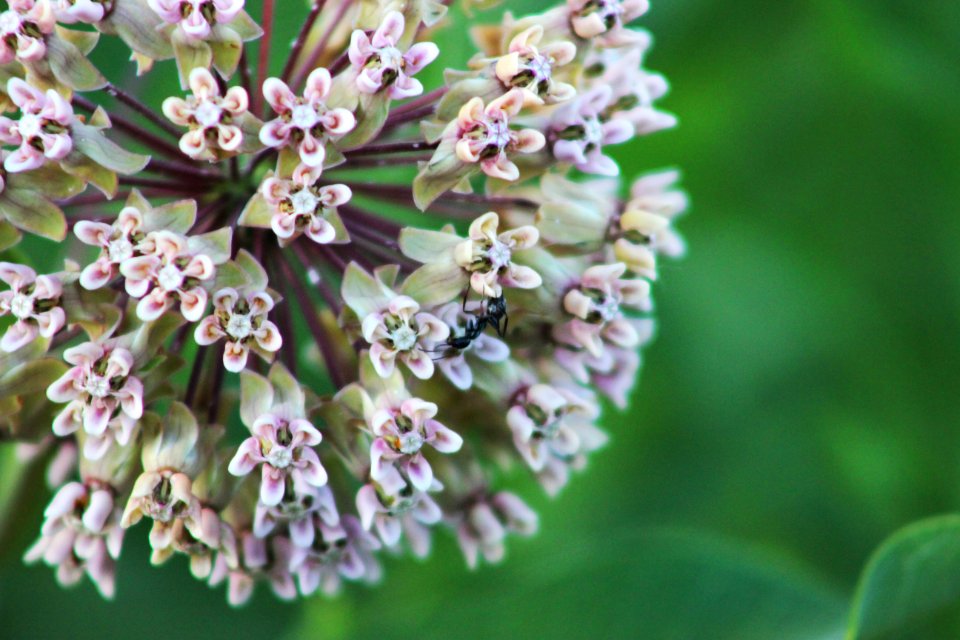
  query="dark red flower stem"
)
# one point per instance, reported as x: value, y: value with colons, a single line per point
x: 420, y: 102
x: 301, y: 39
x: 321, y: 285
x: 143, y: 110
x: 310, y: 315
x: 134, y: 131
x: 195, y: 372
x: 390, y: 147
x: 320, y: 48
x: 263, y: 63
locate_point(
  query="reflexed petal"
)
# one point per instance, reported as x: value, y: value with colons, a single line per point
x: 18, y: 334
x: 177, y: 111
x: 339, y: 121
x: 390, y: 30
x: 302, y: 531
x: 271, y: 486
x: 420, y: 472
x: 246, y: 459
x: 312, y: 471
x: 368, y: 505
x: 208, y: 331
x: 420, y: 55
x: 235, y: 356
x: 444, y: 439
x: 317, y: 86
x: 275, y: 133
x: 268, y: 337
x: 419, y: 363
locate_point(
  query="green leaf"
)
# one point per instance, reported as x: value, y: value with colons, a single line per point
x: 371, y: 113
x: 230, y: 274
x: 909, y: 579
x: 425, y: 245
x: 254, y: 270
x: 93, y: 144
x: 257, y: 213
x: 462, y: 90
x: 436, y: 283
x: 85, y: 41
x: 49, y: 179
x: 286, y: 387
x: 29, y: 211
x: 151, y: 335
x: 443, y: 172
x: 256, y: 397
x: 215, y: 244
x: 175, y: 447
x: 245, y: 27
x: 190, y: 54
x: 178, y: 217
x: 97, y: 321
x: 9, y: 236
x: 227, y: 47
x: 140, y: 28
x: 649, y: 584
x: 31, y: 377
x: 70, y: 66
x: 82, y: 167
x: 342, y: 235
x: 570, y: 224
x: 362, y: 292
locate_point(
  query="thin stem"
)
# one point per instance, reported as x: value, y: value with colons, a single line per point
x: 357, y: 163
x: 64, y: 337
x: 244, y: 67
x: 422, y: 101
x: 288, y: 352
x: 369, y: 241
x: 320, y: 48
x: 321, y: 284
x: 134, y: 131
x: 194, y: 175
x: 313, y: 322
x: 338, y: 64
x: 385, y: 226
x: 87, y: 199
x: 258, y: 159
x: 332, y: 257
x: 215, y: 391
x: 166, y: 186
x: 397, y: 119
x: 195, y: 371
x: 391, y: 147
x: 143, y: 110
x: 263, y: 64
x: 179, y: 338
x: 480, y: 198
x: 301, y: 39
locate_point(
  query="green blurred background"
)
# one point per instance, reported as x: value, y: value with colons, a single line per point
x: 798, y: 406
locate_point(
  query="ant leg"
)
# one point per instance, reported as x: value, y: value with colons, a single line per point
x: 466, y: 294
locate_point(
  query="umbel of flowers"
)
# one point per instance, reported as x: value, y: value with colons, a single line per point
x: 220, y: 322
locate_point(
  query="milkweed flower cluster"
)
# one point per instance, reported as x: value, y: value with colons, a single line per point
x: 221, y: 321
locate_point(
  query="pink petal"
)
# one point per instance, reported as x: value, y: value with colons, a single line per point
x: 246, y: 459
x: 390, y: 30
x: 271, y: 486
x: 318, y: 86
x: 420, y: 472
x: 420, y: 55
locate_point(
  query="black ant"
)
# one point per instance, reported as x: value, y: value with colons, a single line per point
x: 493, y: 314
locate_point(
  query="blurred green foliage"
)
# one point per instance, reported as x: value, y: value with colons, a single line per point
x: 799, y: 405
